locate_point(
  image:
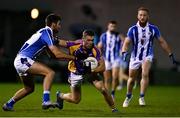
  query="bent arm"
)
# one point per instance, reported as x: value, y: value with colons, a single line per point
x: 59, y: 54
x: 164, y: 45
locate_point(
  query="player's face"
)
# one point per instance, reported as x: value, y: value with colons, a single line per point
x: 112, y: 27
x: 143, y: 16
x: 57, y: 27
x: 89, y: 42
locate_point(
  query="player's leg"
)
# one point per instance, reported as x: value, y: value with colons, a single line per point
x: 146, y: 65
x: 41, y: 69
x: 75, y: 95
x: 107, y: 79
x: 130, y: 83
x: 100, y: 87
x: 122, y: 76
x: 115, y: 74
x: 107, y: 75
x: 21, y: 93
x: 133, y: 72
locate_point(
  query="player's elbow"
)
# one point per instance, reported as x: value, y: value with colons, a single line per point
x: 102, y: 69
x: 59, y: 56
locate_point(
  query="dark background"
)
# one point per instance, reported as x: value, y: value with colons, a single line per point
x: 16, y: 26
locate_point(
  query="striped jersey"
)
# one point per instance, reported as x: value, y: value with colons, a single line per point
x: 38, y: 41
x: 111, y: 46
x: 142, y: 40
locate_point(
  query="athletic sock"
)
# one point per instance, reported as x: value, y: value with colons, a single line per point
x: 113, y: 93
x: 128, y: 95
x: 46, y: 96
x: 142, y: 95
x: 11, y: 102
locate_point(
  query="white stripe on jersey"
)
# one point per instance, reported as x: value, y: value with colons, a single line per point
x: 49, y: 37
x: 142, y: 38
x: 33, y: 39
x: 111, y: 44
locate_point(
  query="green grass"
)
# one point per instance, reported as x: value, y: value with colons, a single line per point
x: 161, y: 101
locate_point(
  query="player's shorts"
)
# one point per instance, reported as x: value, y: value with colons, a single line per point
x: 22, y: 64
x: 109, y: 65
x: 75, y: 79
x: 135, y: 63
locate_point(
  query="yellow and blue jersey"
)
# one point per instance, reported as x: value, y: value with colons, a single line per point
x: 76, y: 67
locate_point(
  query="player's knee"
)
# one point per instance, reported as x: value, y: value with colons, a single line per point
x: 144, y: 75
x: 29, y: 89
x: 51, y: 73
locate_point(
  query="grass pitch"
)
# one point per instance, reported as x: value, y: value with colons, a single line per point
x: 162, y: 101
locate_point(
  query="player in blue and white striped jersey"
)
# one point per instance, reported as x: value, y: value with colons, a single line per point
x: 110, y: 44
x: 142, y: 35
x: 26, y: 65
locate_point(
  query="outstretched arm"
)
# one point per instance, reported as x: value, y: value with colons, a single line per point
x: 66, y: 43
x: 167, y: 49
x: 59, y: 54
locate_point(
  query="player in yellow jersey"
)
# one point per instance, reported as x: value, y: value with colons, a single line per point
x: 82, y: 50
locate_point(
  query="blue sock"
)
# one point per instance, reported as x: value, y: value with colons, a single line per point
x: 129, y: 95
x: 113, y: 93
x: 142, y: 95
x: 10, y: 103
x: 46, y: 96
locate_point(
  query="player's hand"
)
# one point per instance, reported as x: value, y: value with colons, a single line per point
x: 56, y: 40
x: 124, y: 56
x: 87, y: 67
x: 172, y: 58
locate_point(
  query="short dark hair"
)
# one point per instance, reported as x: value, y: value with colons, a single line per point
x: 112, y: 22
x: 52, y: 18
x: 143, y: 9
x: 88, y: 32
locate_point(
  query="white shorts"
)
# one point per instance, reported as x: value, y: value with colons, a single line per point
x: 136, y: 63
x: 109, y: 65
x: 75, y: 80
x: 22, y: 64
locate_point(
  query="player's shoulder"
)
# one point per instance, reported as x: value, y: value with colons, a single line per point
x: 153, y: 26
x: 134, y: 26
x: 74, y: 45
x: 45, y: 30
x: 103, y: 34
